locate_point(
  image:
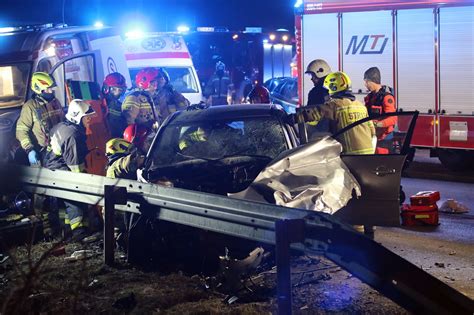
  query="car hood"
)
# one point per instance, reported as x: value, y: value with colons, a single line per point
x: 311, y: 177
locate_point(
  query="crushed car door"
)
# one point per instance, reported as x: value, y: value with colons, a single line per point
x: 379, y: 176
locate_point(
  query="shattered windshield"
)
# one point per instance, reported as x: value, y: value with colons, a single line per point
x: 13, y: 84
x: 214, y: 140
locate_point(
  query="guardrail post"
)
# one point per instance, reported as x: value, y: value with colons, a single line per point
x: 287, y: 232
x: 113, y: 196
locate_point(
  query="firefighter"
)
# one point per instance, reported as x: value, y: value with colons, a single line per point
x: 126, y: 155
x: 67, y: 151
x: 318, y: 69
x: 37, y: 117
x: 137, y: 108
x: 124, y: 159
x: 41, y: 113
x: 113, y: 88
x: 217, y: 87
x: 342, y: 109
x: 165, y: 98
x: 259, y: 95
x: 380, y: 100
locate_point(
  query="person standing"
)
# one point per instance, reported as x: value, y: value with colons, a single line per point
x: 342, y: 109
x: 137, y: 108
x: 218, y: 86
x: 38, y: 116
x: 165, y: 98
x: 318, y: 69
x: 379, y: 101
x: 67, y: 151
x: 113, y: 87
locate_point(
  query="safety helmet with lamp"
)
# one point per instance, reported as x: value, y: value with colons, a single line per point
x: 319, y: 68
x: 136, y: 134
x: 117, y: 146
x: 337, y: 82
x: 114, y: 80
x: 78, y: 109
x: 41, y: 81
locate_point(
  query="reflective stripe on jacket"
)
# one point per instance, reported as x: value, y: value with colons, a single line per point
x: 342, y: 112
x: 136, y: 108
x: 68, y: 148
x: 382, y: 102
x: 36, y: 120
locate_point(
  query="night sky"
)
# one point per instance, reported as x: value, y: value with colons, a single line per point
x: 154, y: 15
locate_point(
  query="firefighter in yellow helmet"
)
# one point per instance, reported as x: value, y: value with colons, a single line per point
x: 124, y: 159
x: 342, y: 109
x: 37, y: 118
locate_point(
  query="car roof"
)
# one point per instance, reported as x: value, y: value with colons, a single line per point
x: 226, y: 112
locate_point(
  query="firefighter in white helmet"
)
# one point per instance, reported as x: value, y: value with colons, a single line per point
x: 67, y: 151
x: 318, y: 69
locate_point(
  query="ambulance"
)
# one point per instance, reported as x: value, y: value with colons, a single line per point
x: 424, y: 50
x: 167, y: 51
x: 70, y: 54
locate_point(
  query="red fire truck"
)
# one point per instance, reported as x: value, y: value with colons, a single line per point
x: 424, y: 50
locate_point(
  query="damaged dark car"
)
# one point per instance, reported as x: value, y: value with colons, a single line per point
x: 223, y: 149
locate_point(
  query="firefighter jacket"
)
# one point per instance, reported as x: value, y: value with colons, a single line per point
x: 137, y: 108
x: 37, y: 117
x: 217, y: 89
x: 124, y: 165
x: 68, y: 148
x: 342, y: 110
x: 116, y: 120
x: 167, y: 101
x: 191, y: 137
x: 382, y: 102
x: 318, y: 94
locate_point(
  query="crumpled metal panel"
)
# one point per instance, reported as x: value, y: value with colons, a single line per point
x: 311, y: 177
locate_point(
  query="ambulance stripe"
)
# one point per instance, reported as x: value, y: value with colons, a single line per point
x: 154, y: 55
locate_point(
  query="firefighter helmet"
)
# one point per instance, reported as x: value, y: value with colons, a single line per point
x: 145, y: 76
x: 136, y: 134
x: 114, y: 79
x: 117, y: 146
x: 78, y: 109
x: 319, y: 68
x: 40, y: 81
x: 259, y: 95
x: 337, y: 82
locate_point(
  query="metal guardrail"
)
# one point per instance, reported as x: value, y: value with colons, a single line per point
x: 309, y: 231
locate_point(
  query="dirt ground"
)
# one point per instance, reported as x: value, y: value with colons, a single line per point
x: 40, y: 279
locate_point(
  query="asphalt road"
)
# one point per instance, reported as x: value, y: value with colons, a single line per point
x: 445, y: 251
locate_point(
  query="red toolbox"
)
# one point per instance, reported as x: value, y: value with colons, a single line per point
x: 412, y: 217
x: 407, y: 207
x: 424, y: 198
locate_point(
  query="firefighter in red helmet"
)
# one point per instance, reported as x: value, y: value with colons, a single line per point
x: 259, y: 95
x: 137, y: 107
x: 113, y: 87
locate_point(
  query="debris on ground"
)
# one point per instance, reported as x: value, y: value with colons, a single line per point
x: 440, y: 265
x: 80, y: 254
x: 453, y: 206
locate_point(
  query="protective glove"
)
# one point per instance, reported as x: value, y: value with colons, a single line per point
x: 34, y: 158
